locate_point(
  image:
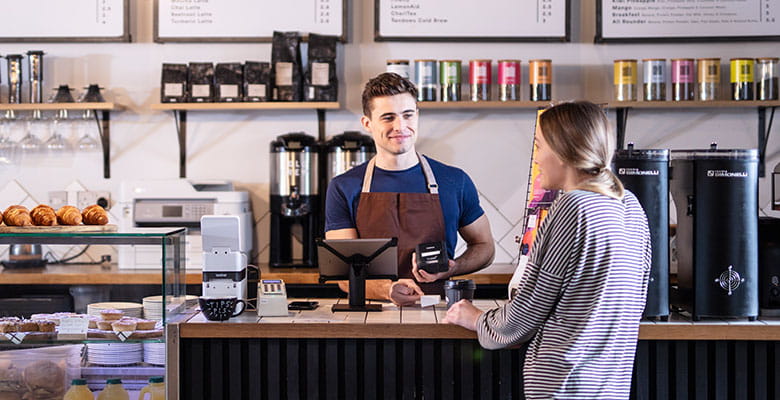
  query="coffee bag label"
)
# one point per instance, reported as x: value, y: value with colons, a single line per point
x: 320, y: 74
x: 201, y: 90
x: 256, y: 90
x: 228, y: 90
x: 284, y: 74
x: 174, y: 89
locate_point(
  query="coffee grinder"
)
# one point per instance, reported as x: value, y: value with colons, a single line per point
x: 646, y: 174
x: 716, y: 198
x: 294, y: 200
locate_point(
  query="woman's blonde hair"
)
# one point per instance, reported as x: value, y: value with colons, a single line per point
x: 578, y: 133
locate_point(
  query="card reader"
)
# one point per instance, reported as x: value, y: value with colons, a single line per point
x: 271, y: 298
x: 432, y: 257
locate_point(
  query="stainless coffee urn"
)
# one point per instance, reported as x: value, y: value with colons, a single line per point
x: 294, y: 200
x: 716, y: 198
x: 646, y: 174
x: 347, y: 150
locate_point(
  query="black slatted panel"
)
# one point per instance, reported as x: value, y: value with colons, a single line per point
x: 454, y: 369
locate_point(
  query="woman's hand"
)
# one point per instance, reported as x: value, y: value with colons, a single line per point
x: 463, y: 313
x: 423, y: 276
x: 404, y: 292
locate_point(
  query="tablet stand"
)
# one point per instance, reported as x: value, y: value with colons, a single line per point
x: 358, y: 272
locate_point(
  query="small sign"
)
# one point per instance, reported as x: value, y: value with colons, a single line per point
x: 73, y: 328
x: 123, y: 335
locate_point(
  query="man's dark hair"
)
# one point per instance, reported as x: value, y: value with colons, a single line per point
x: 386, y: 84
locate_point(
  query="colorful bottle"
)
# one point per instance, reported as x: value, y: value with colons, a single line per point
x: 79, y: 391
x: 155, y: 388
x: 113, y: 391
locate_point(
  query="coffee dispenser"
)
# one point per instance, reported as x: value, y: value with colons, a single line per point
x: 769, y: 266
x: 347, y: 150
x: 716, y: 198
x: 294, y: 199
x: 646, y: 174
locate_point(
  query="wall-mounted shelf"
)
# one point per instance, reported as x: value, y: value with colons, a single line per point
x: 481, y: 105
x: 103, y: 121
x: 180, y: 117
x: 622, y: 108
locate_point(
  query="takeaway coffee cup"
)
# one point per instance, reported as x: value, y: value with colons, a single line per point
x: 220, y: 308
x: 457, y: 289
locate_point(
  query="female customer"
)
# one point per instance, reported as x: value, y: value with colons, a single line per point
x: 582, y: 294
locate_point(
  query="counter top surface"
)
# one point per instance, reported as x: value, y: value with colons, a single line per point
x: 426, y: 323
x: 80, y: 274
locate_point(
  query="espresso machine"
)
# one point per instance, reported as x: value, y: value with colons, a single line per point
x: 646, y: 174
x: 716, y: 198
x: 347, y: 150
x: 769, y: 265
x: 295, y: 202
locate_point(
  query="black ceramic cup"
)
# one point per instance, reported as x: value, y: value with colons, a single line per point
x: 220, y: 308
x: 457, y: 289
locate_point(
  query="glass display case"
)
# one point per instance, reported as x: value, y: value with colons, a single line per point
x: 40, y: 361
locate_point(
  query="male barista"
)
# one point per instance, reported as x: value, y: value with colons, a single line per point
x: 400, y: 193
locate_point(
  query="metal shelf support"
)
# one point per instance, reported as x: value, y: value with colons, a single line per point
x: 180, y: 119
x: 104, y: 130
x: 622, y: 121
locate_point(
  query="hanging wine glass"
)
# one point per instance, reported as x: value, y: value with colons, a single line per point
x: 86, y: 126
x: 36, y: 126
x: 56, y: 142
x: 7, y: 145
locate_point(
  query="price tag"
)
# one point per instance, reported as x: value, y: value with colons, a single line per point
x: 73, y: 326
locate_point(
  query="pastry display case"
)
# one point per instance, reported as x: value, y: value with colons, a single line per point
x: 112, y: 340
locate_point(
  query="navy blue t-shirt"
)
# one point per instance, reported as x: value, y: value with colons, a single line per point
x: 457, y: 195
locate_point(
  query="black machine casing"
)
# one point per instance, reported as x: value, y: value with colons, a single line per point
x: 646, y: 174
x: 769, y: 265
x: 716, y: 198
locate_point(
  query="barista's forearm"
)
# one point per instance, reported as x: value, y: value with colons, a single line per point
x: 476, y: 257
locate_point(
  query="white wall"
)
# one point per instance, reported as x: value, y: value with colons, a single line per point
x: 492, y: 146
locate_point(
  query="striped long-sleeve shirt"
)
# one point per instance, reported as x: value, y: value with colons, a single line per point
x: 580, y: 299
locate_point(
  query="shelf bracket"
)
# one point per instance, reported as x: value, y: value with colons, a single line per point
x: 180, y: 118
x: 763, y: 137
x: 622, y: 121
x: 103, y: 124
x: 321, y: 124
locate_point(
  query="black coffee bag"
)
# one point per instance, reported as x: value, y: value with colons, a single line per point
x: 201, y: 82
x: 286, y: 61
x: 321, y: 83
x: 229, y: 82
x: 257, y: 81
x: 173, y: 87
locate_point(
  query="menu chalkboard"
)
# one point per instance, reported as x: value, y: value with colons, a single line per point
x: 471, y: 20
x: 245, y: 20
x: 65, y: 21
x: 689, y: 20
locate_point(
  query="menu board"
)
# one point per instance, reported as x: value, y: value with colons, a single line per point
x: 471, y: 20
x: 65, y: 21
x: 245, y: 20
x: 689, y: 20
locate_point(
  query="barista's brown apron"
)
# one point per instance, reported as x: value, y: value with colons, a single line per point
x: 413, y: 218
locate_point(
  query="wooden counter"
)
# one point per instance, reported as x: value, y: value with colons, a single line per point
x: 96, y: 275
x: 418, y: 323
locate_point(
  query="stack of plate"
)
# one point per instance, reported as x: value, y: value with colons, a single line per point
x: 115, y: 353
x: 154, y: 353
x: 130, y: 309
x: 153, y: 306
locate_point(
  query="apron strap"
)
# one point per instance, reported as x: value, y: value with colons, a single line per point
x: 433, y: 187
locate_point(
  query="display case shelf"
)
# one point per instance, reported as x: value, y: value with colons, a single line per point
x: 180, y: 117
x: 103, y: 121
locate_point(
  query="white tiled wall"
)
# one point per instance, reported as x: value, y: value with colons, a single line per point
x: 493, y: 146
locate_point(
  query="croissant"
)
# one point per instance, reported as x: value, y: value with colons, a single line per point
x: 17, y: 216
x: 95, y: 215
x: 43, y: 215
x: 68, y: 215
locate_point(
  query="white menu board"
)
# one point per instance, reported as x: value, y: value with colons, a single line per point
x: 245, y: 20
x: 664, y: 20
x: 64, y: 21
x: 471, y: 20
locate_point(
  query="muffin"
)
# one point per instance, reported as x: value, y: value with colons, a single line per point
x: 46, y: 326
x: 123, y: 326
x: 10, y: 319
x: 93, y: 322
x: 144, y: 324
x: 45, y: 317
x: 9, y: 326
x: 104, y: 325
x: 111, y: 314
x: 28, y: 326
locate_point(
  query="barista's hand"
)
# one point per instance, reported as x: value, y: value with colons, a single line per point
x: 404, y: 292
x: 463, y: 313
x: 423, y: 276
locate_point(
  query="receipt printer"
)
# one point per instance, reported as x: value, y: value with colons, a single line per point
x: 432, y: 257
x: 271, y: 298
